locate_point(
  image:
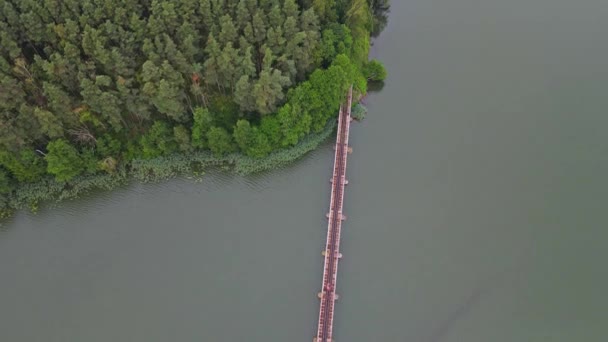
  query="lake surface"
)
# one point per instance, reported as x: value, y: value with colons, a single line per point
x: 477, y: 208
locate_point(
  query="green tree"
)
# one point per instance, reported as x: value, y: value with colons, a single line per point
x: 259, y: 26
x: 243, y: 135
x: 271, y: 128
x: 49, y: 123
x: 243, y: 94
x: 211, y: 65
x: 268, y: 90
x: 228, y: 33
x: 290, y: 8
x: 25, y: 166
x: 326, y: 9
x: 158, y: 141
x: 374, y: 71
x: 63, y: 160
x: 181, y: 135
x: 89, y: 161
x: 107, y: 145
x: 261, y: 145
x: 203, y: 122
x: 5, y: 185
x: 102, y: 100
x: 220, y: 142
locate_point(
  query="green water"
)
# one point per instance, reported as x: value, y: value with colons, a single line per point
x: 476, y: 208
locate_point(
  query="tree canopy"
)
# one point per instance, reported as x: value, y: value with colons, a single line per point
x: 88, y: 84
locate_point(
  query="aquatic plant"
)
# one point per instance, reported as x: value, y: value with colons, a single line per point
x: 358, y: 112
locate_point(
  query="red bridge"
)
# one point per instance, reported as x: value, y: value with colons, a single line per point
x: 335, y: 217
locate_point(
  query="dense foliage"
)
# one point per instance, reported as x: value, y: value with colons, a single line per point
x: 89, y: 86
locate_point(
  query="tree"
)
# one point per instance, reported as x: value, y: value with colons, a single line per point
x: 181, y: 135
x: 228, y: 66
x: 244, y: 135
x: 202, y: 124
x: 259, y: 26
x: 243, y: 16
x: 5, y: 185
x: 158, y: 141
x: 107, y: 145
x: 246, y: 65
x: 168, y: 100
x: 261, y: 145
x: 290, y: 8
x: 243, y: 95
x: 63, y: 160
x: 276, y: 17
x: 164, y: 87
x: 89, y: 161
x: 59, y: 103
x: 336, y: 40
x: 49, y: 123
x: 326, y: 9
x: 374, y: 71
x: 25, y: 166
x: 228, y: 33
x: 220, y: 142
x: 102, y: 100
x: 271, y: 128
x: 268, y: 90
x: 211, y: 65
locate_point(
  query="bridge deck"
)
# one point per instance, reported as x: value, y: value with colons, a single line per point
x: 335, y: 217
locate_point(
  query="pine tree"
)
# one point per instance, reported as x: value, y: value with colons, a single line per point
x: 49, y: 123
x: 326, y: 9
x: 243, y: 94
x: 243, y: 16
x: 268, y: 90
x: 228, y: 33
x: 211, y: 65
x: 259, y: 26
x: 276, y: 17
x: 290, y: 9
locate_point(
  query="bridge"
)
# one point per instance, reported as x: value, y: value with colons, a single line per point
x: 335, y: 217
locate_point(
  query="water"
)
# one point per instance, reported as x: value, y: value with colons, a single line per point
x: 476, y: 208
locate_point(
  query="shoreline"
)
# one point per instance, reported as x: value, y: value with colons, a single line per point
x: 31, y: 196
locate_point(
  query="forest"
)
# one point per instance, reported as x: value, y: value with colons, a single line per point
x: 89, y: 86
